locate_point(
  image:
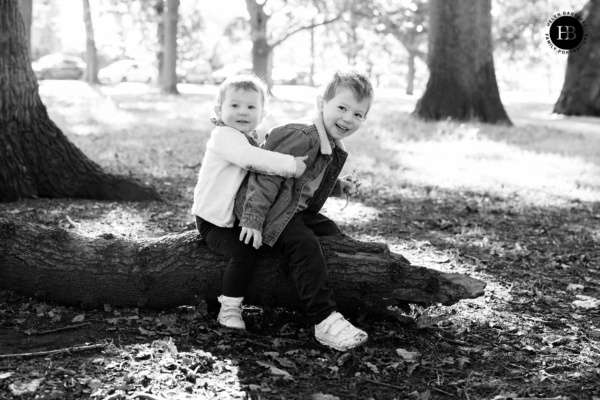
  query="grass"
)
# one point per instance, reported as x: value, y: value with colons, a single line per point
x: 542, y: 158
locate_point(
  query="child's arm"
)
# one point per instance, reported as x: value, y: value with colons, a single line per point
x: 235, y: 148
x: 263, y: 189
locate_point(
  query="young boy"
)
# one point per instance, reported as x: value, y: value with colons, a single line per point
x: 286, y: 211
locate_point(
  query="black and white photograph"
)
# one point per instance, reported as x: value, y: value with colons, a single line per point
x: 299, y: 199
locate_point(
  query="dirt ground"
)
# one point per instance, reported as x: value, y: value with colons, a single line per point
x: 535, y: 333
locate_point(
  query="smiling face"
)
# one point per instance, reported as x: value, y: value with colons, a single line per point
x: 343, y: 114
x: 241, y: 109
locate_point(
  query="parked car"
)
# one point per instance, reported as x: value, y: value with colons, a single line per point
x: 201, y: 73
x: 127, y: 71
x: 231, y: 70
x: 58, y: 66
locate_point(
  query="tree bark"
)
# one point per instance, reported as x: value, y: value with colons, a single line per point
x: 57, y: 265
x: 36, y: 158
x: 580, y: 94
x: 91, y: 57
x: 462, y: 83
x: 27, y: 12
x: 169, y: 73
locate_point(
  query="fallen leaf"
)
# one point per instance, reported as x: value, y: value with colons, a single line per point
x: 321, y: 396
x: 273, y: 370
x: 6, y: 375
x: 462, y: 361
x: 411, y: 367
x: 79, y: 318
x: 166, y: 344
x: 408, y: 356
x: 573, y: 287
x: 20, y: 388
x: 586, y: 302
x: 373, y: 367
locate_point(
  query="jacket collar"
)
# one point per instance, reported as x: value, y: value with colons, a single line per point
x: 323, y: 137
x: 252, y: 136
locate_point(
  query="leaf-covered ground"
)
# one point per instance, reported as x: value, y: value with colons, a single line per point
x: 535, y: 333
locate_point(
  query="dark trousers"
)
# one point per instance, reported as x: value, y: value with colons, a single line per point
x: 299, y: 244
x: 240, y: 256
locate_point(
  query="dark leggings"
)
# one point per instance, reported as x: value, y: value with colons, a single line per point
x: 240, y: 256
x: 299, y: 243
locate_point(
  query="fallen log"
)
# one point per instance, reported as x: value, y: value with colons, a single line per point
x: 62, y: 266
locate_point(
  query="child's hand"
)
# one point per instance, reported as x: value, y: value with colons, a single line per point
x: 249, y: 234
x: 350, y: 184
x: 300, y: 166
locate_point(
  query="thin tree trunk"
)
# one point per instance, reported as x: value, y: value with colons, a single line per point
x: 91, y: 70
x: 36, y: 159
x: 262, y: 52
x: 580, y: 94
x: 169, y: 75
x: 410, y: 77
x: 462, y: 83
x: 159, y: 7
x: 61, y: 266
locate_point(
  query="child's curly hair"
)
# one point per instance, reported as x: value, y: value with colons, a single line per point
x: 246, y: 82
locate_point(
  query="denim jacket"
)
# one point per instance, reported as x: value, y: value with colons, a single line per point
x: 267, y: 203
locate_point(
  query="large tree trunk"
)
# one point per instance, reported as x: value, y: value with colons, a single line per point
x: 462, y: 83
x: 27, y: 11
x: 57, y: 265
x: 169, y: 73
x: 580, y: 94
x: 91, y: 57
x: 36, y: 159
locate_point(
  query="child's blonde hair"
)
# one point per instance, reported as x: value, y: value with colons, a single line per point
x: 246, y: 82
x: 358, y: 82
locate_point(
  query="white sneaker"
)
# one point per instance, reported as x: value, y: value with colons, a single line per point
x: 230, y: 314
x: 335, y: 331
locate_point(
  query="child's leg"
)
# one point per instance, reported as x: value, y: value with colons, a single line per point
x: 320, y: 224
x: 240, y: 256
x: 309, y: 270
x: 303, y: 253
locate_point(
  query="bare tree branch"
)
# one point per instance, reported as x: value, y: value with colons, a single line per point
x: 303, y: 28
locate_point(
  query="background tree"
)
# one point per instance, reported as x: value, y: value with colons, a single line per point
x: 264, y: 40
x: 159, y: 8
x: 91, y: 57
x: 462, y: 82
x: 580, y: 94
x: 405, y: 21
x: 36, y: 159
x: 169, y: 72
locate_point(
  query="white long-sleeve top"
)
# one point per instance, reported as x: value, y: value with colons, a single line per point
x: 228, y: 158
